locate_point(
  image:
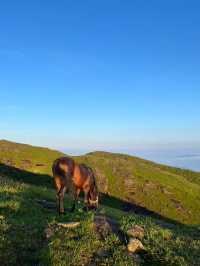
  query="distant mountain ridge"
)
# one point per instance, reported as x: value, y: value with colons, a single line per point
x: 171, y: 192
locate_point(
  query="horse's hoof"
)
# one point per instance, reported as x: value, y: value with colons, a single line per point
x: 72, y: 209
x: 86, y: 209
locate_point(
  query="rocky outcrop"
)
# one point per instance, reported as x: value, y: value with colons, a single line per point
x: 104, y: 226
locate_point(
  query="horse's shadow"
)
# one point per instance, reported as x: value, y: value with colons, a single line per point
x: 46, y: 181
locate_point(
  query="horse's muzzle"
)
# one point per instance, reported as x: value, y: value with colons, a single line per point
x: 94, y: 203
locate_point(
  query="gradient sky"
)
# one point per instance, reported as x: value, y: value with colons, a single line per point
x: 87, y: 75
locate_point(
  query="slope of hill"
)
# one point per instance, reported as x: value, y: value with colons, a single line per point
x: 169, y: 192
x: 27, y: 157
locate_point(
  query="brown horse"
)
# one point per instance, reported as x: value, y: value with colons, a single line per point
x: 73, y: 177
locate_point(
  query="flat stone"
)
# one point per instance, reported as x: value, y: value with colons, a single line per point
x: 69, y: 225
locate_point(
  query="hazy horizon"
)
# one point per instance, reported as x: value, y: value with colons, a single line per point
x: 186, y: 158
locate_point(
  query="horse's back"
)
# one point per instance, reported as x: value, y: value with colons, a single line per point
x: 83, y: 176
x: 80, y: 175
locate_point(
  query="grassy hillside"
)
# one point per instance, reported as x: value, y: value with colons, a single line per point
x: 30, y: 235
x: 173, y: 193
x: 166, y: 191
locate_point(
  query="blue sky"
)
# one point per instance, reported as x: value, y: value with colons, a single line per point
x: 112, y: 75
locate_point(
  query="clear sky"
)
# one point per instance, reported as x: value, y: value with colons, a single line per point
x: 87, y: 75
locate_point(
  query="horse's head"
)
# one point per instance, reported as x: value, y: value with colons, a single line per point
x: 93, y: 197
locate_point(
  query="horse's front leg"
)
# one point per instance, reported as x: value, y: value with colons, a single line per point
x: 86, y: 198
x: 75, y: 195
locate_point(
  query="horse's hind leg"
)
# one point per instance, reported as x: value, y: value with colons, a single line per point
x: 60, y: 200
x: 60, y: 188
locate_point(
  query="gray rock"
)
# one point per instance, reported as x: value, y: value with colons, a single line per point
x: 105, y: 226
x: 136, y: 232
x: 135, y: 245
x: 102, y: 253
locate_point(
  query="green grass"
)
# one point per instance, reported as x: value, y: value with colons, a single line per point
x: 22, y: 234
x: 22, y: 231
